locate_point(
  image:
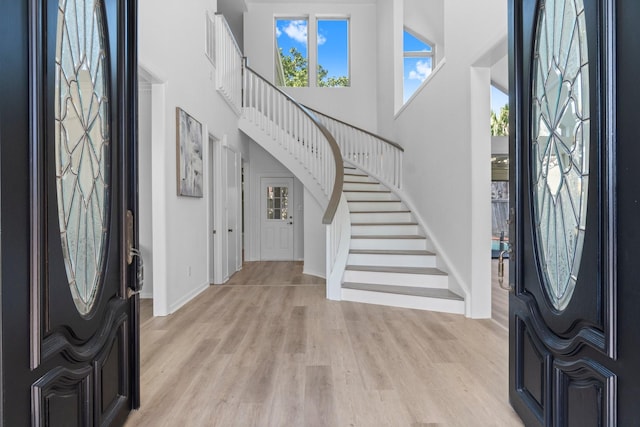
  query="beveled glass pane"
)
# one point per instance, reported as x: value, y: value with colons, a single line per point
x: 82, y: 146
x: 560, y: 144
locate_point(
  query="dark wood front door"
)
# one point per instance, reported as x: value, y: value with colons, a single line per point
x: 574, y: 338
x: 67, y: 186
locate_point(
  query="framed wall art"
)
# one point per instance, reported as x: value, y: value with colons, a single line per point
x: 189, y: 154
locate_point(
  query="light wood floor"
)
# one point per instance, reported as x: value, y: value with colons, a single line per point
x: 269, y: 350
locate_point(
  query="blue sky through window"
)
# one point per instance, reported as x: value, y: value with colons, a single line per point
x: 498, y: 99
x: 333, y: 46
x: 332, y: 38
x: 416, y: 69
x: 292, y: 33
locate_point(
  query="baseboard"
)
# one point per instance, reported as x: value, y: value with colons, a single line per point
x: 322, y: 275
x: 188, y: 297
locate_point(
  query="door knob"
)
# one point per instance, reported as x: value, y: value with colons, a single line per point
x: 230, y: 230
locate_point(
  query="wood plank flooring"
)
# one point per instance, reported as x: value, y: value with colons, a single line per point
x: 268, y: 349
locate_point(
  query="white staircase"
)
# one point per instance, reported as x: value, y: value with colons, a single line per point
x: 376, y: 250
x: 390, y: 259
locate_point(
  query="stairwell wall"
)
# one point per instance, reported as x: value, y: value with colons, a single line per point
x: 435, y: 130
x: 171, y: 47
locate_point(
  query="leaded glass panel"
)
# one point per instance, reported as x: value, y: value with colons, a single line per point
x: 82, y: 146
x: 560, y: 144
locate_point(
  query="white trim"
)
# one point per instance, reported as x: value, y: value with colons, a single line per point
x: 188, y: 297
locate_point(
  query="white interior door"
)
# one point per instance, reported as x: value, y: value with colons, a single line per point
x: 276, y: 242
x: 231, y: 211
x: 212, y: 205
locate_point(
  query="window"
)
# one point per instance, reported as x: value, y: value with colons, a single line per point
x: 277, y: 203
x: 333, y: 52
x: 418, y: 63
x: 292, y: 62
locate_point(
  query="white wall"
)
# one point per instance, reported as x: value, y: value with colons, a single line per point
x: 435, y: 130
x: 145, y: 233
x: 426, y: 18
x: 315, y: 237
x: 355, y: 104
x: 171, y: 47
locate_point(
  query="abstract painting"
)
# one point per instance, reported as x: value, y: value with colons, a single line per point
x: 189, y: 156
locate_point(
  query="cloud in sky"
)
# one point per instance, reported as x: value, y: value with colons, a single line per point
x: 278, y: 32
x: 423, y: 69
x: 297, y: 30
x: 321, y: 39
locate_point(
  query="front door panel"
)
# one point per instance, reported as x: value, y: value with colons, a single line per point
x: 80, y: 327
x: 566, y: 363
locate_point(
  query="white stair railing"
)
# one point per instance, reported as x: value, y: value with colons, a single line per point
x: 229, y: 63
x: 375, y: 155
x: 302, y: 138
x: 297, y: 130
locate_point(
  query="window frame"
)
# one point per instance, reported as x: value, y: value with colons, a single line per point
x: 278, y: 71
x: 416, y: 54
x: 346, y: 18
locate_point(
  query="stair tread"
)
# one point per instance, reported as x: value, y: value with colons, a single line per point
x: 389, y: 252
x: 404, y: 290
x: 362, y: 182
x: 389, y: 236
x: 403, y: 270
x: 375, y: 201
x: 383, y: 224
x: 355, y: 174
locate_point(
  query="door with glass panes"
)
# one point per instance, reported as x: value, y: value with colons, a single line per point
x: 575, y: 183
x: 68, y: 213
x: 276, y: 219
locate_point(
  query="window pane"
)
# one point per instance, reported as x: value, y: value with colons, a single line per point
x: 413, y: 44
x: 333, y: 52
x: 416, y: 71
x: 291, y: 52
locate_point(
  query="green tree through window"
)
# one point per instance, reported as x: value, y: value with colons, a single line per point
x: 295, y: 69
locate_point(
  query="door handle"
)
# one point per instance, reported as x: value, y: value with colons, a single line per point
x: 501, y: 268
x: 132, y: 253
x: 230, y: 230
x: 291, y: 222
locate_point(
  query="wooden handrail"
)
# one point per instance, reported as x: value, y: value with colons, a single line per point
x: 338, y: 183
x: 381, y: 138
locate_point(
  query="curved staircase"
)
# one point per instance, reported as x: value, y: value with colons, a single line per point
x: 390, y: 259
x: 376, y: 250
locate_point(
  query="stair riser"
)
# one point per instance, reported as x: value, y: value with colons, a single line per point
x: 384, y: 230
x: 381, y: 217
x: 392, y: 260
x: 357, y: 186
x: 351, y: 196
x: 377, y: 206
x: 390, y: 244
x: 397, y: 279
x: 405, y: 301
x: 359, y: 178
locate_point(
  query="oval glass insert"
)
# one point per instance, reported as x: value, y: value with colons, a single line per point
x: 82, y: 146
x: 560, y: 144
